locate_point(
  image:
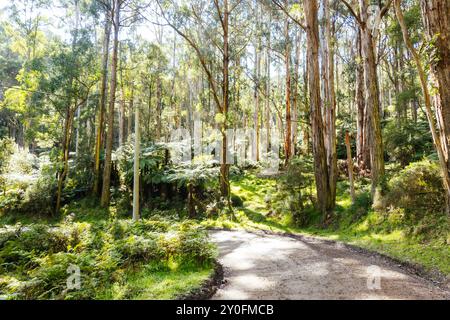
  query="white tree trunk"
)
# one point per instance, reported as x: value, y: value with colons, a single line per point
x: 137, y: 150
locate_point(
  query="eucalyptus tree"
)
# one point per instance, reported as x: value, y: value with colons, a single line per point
x: 131, y: 14
x: 438, y: 139
x: 71, y: 76
x: 436, y: 19
x: 367, y: 23
x: 103, y: 93
x: 324, y: 170
x: 214, y: 31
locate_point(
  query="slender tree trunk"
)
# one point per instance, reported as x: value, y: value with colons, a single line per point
x: 130, y: 114
x: 105, y: 199
x: 122, y: 107
x: 350, y: 165
x: 66, y: 149
x: 136, y: 172
x: 287, y: 58
x: 224, y: 167
x: 257, y: 100
x: 362, y: 150
x: 102, y: 106
x: 306, y: 128
x: 158, y: 108
x: 372, y: 101
x: 295, y: 99
x: 320, y: 157
x: 436, y: 19
x: 268, y: 95
x: 330, y: 106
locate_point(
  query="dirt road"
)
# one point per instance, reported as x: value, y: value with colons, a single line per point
x: 279, y: 267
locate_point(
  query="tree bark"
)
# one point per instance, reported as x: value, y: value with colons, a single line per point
x: 330, y: 106
x: 122, y: 106
x: 350, y: 166
x: 102, y: 106
x: 257, y: 100
x: 224, y: 167
x: 287, y: 58
x: 362, y: 148
x: 372, y: 100
x: 66, y: 149
x: 436, y: 19
x: 320, y: 157
x: 295, y: 98
x: 428, y: 105
x: 105, y: 199
x: 136, y: 172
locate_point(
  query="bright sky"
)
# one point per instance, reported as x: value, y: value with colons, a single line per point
x: 56, y: 15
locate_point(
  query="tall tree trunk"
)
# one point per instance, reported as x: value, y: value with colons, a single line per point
x: 306, y: 128
x: 320, y: 157
x: 268, y: 94
x: 224, y: 167
x: 130, y: 114
x: 102, y: 106
x: 436, y: 19
x: 158, y: 108
x: 256, y: 96
x: 68, y: 121
x: 350, y: 166
x: 287, y: 58
x: 122, y: 106
x: 295, y: 99
x: 372, y: 100
x: 362, y: 148
x: 66, y: 149
x: 330, y: 106
x: 428, y: 106
x: 105, y: 199
x: 136, y: 168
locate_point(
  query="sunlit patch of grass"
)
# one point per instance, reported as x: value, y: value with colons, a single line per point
x: 149, y: 284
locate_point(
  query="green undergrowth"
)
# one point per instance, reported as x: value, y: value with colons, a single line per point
x: 156, y: 258
x: 420, y: 239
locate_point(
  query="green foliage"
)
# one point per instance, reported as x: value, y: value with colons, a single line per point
x: 29, y: 192
x: 34, y: 259
x: 417, y: 189
x: 197, y: 174
x: 6, y: 151
x: 294, y: 192
x: 407, y: 142
x: 236, y: 201
x: 152, y: 163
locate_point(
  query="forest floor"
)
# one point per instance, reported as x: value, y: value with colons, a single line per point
x: 261, y: 266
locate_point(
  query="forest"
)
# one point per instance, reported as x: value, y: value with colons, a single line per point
x: 149, y: 149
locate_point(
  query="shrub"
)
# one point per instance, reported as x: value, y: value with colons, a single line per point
x: 39, y: 255
x: 40, y: 196
x: 406, y: 141
x: 294, y: 190
x: 139, y: 249
x: 6, y: 151
x: 194, y: 247
x: 417, y: 189
x: 236, y: 201
x: 22, y: 162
